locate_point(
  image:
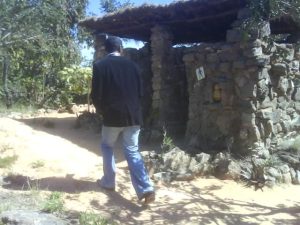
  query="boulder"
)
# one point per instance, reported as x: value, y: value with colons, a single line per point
x: 271, y: 173
x: 226, y: 168
x: 297, y: 178
x: 24, y: 217
x: 279, y: 69
x: 177, y: 160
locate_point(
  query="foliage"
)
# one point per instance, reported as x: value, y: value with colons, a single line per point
x: 7, y: 161
x: 292, y: 145
x: 54, y: 203
x: 92, y: 219
x: 37, y: 39
x: 295, y: 147
x: 167, y: 143
x: 76, y: 81
x: 110, y: 6
x: 263, y: 10
x: 37, y: 164
x: 273, y: 161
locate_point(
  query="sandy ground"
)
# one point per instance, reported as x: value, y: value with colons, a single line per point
x: 72, y: 163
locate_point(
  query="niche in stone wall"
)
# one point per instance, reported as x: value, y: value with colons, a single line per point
x: 221, y: 91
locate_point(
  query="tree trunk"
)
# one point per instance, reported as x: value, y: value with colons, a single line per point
x: 8, y: 99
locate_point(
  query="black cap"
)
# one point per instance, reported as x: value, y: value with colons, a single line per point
x: 112, y: 44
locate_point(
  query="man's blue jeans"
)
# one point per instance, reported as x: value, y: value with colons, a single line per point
x: 139, y: 175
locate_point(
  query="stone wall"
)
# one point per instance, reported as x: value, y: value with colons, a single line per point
x: 213, y: 111
x: 170, y: 99
x: 249, y: 98
x: 142, y: 58
x: 242, y: 95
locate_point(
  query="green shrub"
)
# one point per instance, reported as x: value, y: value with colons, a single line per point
x: 295, y: 147
x: 167, y: 143
x: 37, y: 164
x: 93, y: 219
x: 54, y: 203
x: 8, y: 161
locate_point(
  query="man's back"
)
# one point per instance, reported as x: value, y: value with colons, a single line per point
x: 117, y: 90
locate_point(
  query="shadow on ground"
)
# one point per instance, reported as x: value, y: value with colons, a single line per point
x: 66, y: 128
x: 200, y: 206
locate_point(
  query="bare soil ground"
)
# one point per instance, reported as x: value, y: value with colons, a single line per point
x: 58, y: 157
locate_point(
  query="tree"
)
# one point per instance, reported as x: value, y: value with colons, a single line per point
x: 109, y: 6
x: 271, y: 9
x: 77, y: 82
x: 38, y: 38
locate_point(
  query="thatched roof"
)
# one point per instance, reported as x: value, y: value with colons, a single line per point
x: 189, y: 21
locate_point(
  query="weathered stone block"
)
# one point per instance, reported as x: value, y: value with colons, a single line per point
x: 272, y: 172
x: 212, y: 58
x: 227, y: 169
x: 297, y: 178
x: 295, y: 65
x: 244, y: 13
x: 297, y: 106
x: 253, y: 52
x: 269, y: 128
x: 189, y: 58
x: 296, y: 96
x: 248, y: 118
x: 282, y: 102
x: 287, y: 51
x: 265, y: 113
x: 203, y: 157
x: 279, y: 69
x: 283, y: 85
x: 284, y: 168
x: 248, y: 91
x: 225, y: 67
x: 177, y: 160
x: 262, y: 89
x: 26, y: 217
x: 247, y: 106
x: 286, y: 125
x: 286, y: 178
x: 266, y: 103
x: 263, y: 74
x: 276, y: 115
x: 260, y: 31
x: 234, y: 36
x: 240, y: 81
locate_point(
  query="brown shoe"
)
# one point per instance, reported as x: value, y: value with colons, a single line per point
x: 149, y: 197
x: 105, y: 188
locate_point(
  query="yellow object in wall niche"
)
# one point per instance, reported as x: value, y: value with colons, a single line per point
x: 216, y: 93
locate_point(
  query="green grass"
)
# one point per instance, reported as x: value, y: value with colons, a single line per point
x: 19, y: 108
x: 273, y: 161
x: 4, y: 208
x: 295, y: 147
x: 37, y: 164
x: 93, y: 219
x: 8, y: 161
x: 167, y: 143
x: 54, y: 203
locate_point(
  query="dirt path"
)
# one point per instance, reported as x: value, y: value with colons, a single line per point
x: 71, y: 164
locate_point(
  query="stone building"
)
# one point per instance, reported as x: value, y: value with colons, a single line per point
x: 207, y: 80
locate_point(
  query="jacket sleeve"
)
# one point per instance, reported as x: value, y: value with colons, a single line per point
x: 97, y: 89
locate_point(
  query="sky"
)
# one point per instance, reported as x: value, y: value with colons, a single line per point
x: 94, y: 10
x: 94, y: 5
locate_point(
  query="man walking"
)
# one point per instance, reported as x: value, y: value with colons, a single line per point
x: 116, y: 94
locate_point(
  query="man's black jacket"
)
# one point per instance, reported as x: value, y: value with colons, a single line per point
x: 116, y: 91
